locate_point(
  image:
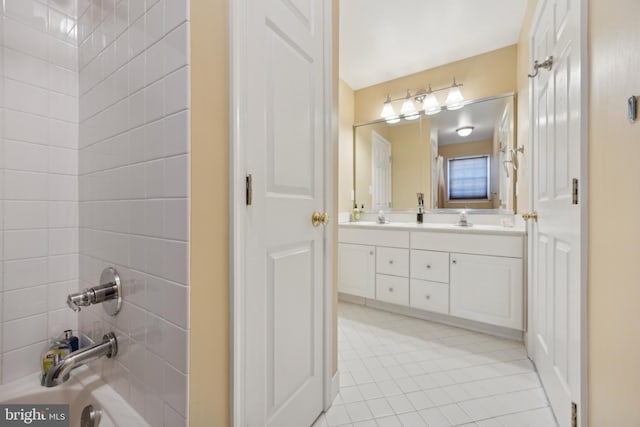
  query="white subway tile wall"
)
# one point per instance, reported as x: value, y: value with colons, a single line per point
x: 38, y: 179
x: 134, y: 193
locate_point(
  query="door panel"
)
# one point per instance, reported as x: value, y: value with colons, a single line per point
x: 281, y: 114
x: 556, y: 251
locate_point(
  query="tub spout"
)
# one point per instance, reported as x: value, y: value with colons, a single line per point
x: 59, y: 373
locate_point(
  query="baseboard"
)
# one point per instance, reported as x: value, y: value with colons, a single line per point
x: 498, y: 331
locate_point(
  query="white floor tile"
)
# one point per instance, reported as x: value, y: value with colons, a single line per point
x: 391, y: 421
x: 337, y: 415
x: 358, y: 411
x: 397, y: 371
x: 400, y: 404
x: 412, y: 419
x: 380, y: 407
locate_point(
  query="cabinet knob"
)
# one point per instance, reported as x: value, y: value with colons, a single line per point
x: 371, y: 253
x: 390, y: 261
x: 428, y: 266
x: 390, y: 289
x: 454, y: 261
x: 427, y: 296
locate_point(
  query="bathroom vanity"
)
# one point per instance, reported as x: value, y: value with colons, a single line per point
x: 467, y: 276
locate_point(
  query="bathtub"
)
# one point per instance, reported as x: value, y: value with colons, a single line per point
x: 83, y: 388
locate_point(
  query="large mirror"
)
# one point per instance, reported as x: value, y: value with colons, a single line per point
x: 460, y: 159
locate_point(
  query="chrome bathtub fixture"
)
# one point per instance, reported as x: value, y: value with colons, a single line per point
x: 89, y: 417
x: 109, y: 292
x: 60, y: 371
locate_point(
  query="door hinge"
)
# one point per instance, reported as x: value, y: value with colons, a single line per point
x: 574, y: 414
x: 574, y: 193
x: 249, y: 189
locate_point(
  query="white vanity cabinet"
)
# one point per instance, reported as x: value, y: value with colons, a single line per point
x: 474, y: 274
x: 357, y: 270
x: 487, y: 289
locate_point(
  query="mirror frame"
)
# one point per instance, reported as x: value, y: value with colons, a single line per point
x: 355, y: 126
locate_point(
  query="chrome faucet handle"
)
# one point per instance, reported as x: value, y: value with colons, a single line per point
x: 77, y: 300
x: 108, y: 292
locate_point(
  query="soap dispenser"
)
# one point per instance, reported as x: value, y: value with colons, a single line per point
x: 355, y: 215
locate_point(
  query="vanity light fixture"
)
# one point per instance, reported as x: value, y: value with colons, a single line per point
x: 455, y: 100
x: 465, y: 131
x: 408, y: 110
x: 388, y: 113
x: 429, y: 102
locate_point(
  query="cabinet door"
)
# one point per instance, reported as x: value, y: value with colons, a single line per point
x: 357, y: 270
x: 487, y: 289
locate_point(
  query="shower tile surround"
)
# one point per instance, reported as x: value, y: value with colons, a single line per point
x: 95, y: 171
x: 38, y: 179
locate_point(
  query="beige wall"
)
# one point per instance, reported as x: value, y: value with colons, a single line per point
x: 364, y: 135
x: 614, y: 205
x: 489, y: 74
x: 474, y: 148
x: 522, y: 127
x: 345, y: 172
x: 209, y: 298
x: 410, y: 163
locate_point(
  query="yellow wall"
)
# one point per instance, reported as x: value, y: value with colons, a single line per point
x: 345, y: 174
x: 489, y: 74
x: 364, y: 135
x: 522, y: 128
x: 474, y: 148
x: 410, y: 163
x: 614, y: 205
x: 209, y: 295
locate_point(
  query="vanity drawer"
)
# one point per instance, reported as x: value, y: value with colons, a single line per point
x: 467, y: 243
x: 392, y: 289
x: 430, y: 265
x: 392, y: 261
x: 430, y: 296
x: 368, y: 236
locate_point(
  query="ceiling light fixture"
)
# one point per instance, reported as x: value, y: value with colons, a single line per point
x: 465, y: 131
x: 429, y: 102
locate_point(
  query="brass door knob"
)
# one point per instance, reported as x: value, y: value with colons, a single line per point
x: 318, y: 218
x: 530, y: 215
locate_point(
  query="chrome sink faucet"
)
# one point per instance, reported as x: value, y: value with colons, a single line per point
x: 59, y: 372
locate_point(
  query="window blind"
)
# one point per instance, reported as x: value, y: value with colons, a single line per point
x: 469, y: 178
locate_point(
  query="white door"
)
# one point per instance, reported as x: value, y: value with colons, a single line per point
x: 558, y: 147
x: 357, y: 270
x: 381, y: 171
x: 282, y: 124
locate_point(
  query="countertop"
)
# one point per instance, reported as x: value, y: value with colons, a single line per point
x: 437, y: 227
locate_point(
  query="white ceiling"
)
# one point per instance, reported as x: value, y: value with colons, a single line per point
x: 382, y: 40
x: 481, y: 115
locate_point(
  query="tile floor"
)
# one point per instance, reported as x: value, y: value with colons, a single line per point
x: 400, y: 371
